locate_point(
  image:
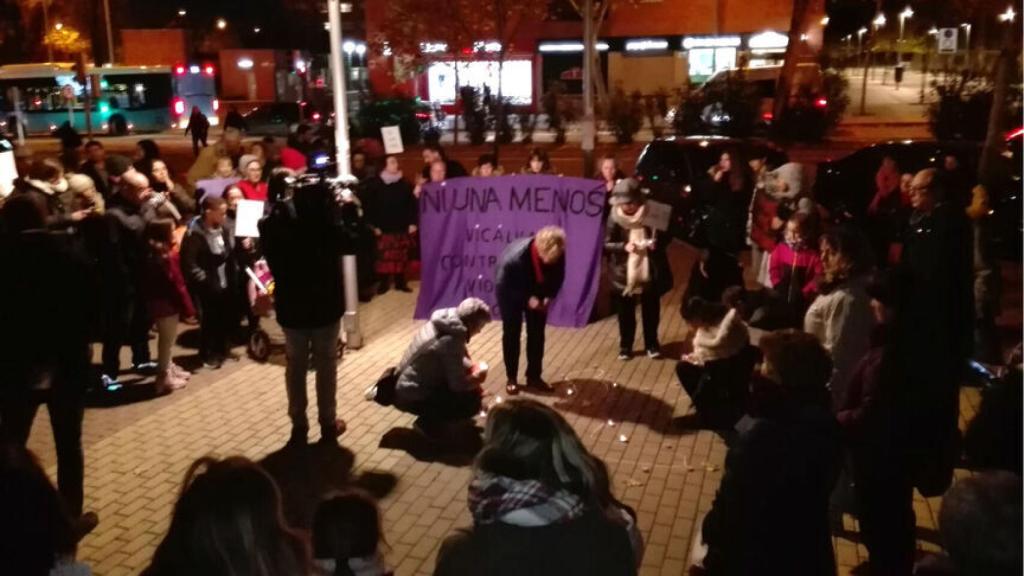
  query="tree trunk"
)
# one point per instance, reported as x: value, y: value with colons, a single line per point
x: 499, y: 13
x: 997, y: 115
x: 784, y: 87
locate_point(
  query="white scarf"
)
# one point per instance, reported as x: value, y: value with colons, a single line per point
x: 638, y: 267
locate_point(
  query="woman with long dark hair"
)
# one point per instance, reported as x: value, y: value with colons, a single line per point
x: 541, y: 504
x: 228, y: 520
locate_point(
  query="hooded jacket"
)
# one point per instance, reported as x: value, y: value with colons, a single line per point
x: 436, y: 359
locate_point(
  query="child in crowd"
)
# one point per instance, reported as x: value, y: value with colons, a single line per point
x: 721, y: 332
x: 795, y: 264
x: 167, y: 300
x: 347, y: 536
x: 224, y: 168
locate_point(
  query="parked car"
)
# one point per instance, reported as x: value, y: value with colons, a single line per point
x: 671, y: 169
x: 716, y: 106
x: 845, y: 186
x: 279, y: 118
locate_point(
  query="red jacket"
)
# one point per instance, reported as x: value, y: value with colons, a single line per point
x: 257, y: 191
x: 802, y: 266
x: 164, y: 288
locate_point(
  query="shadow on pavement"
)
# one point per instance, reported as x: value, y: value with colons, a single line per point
x: 603, y: 400
x: 305, y: 474
x: 458, y: 449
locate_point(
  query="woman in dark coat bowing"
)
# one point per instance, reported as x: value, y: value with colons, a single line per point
x: 639, y: 267
x: 390, y: 209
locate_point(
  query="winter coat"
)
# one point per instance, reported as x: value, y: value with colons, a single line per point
x: 391, y: 208
x: 794, y: 272
x: 163, y: 286
x: 615, y: 239
x: 253, y: 191
x: 726, y: 340
x: 125, y: 247
x: 590, y: 545
x: 842, y: 320
x: 207, y: 258
x: 516, y: 280
x: 179, y: 197
x: 303, y: 252
x: 781, y: 466
x: 436, y: 359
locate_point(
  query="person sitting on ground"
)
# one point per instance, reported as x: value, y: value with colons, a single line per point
x: 436, y: 378
x: 486, y: 166
x: 721, y: 332
x: 980, y: 527
x: 347, y: 536
x: 541, y: 504
x: 37, y: 538
x: 782, y: 465
x: 228, y: 520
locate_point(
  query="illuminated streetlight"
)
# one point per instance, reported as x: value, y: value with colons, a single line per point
x: 907, y: 13
x: 860, y: 36
x: 182, y: 12
x: 879, y: 21
x: 825, y: 21
x: 58, y: 26
x: 348, y: 47
x: 933, y: 31
x: 257, y: 30
x: 1008, y: 16
x: 221, y: 23
x: 967, y: 29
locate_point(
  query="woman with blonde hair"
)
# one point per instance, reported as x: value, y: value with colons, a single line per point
x: 541, y: 504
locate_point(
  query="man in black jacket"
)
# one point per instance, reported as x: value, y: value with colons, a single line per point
x: 529, y: 275
x: 208, y: 265
x: 303, y: 239
x: 121, y: 264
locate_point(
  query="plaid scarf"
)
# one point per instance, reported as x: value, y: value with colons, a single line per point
x: 520, y: 502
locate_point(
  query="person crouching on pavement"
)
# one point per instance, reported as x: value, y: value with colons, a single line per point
x: 437, y: 379
x: 530, y: 274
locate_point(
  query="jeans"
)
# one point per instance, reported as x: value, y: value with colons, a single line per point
x: 167, y: 334
x: 129, y: 324
x: 323, y: 342
x: 512, y: 327
x: 215, y: 313
x: 650, y: 312
x: 65, y: 402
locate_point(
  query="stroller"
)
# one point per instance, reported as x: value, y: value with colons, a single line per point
x: 269, y: 337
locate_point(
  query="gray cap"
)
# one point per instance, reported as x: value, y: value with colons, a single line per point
x: 627, y: 191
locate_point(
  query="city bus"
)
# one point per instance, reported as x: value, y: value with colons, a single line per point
x: 125, y: 98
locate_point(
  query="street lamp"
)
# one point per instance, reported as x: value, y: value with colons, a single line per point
x: 182, y: 12
x: 257, y: 30
x: 879, y: 21
x: 907, y: 13
x: 967, y: 30
x: 825, y: 21
x: 221, y: 23
x: 58, y: 26
x: 1008, y: 16
x: 933, y: 31
x: 860, y: 36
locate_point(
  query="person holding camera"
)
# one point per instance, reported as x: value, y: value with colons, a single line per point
x: 639, y: 267
x: 302, y: 239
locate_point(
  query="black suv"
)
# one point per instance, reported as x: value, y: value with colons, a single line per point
x: 671, y: 168
x: 845, y: 186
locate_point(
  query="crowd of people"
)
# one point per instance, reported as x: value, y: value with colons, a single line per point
x: 846, y: 402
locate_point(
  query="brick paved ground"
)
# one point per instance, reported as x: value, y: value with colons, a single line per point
x: 137, y: 453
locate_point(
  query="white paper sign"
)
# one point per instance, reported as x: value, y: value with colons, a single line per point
x: 658, y: 215
x: 247, y: 215
x: 947, y: 40
x: 392, y: 139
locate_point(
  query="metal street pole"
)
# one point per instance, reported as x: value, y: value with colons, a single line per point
x: 110, y: 33
x: 46, y: 30
x: 588, y: 88
x: 350, y: 323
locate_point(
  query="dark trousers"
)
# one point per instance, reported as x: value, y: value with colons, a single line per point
x: 512, y: 327
x: 445, y: 405
x: 885, y: 507
x: 65, y: 402
x: 650, y: 313
x: 129, y: 323
x: 215, y: 314
x: 196, y: 140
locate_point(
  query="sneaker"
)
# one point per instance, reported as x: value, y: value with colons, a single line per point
x: 371, y: 394
x: 213, y: 363
x: 654, y: 354
x: 625, y: 355
x: 403, y: 288
x: 329, y: 434
x: 110, y: 384
x: 539, y: 385
x: 144, y: 367
x: 512, y: 388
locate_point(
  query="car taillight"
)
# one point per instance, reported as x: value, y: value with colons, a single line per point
x: 767, y: 116
x: 216, y: 104
x: 422, y: 116
x: 820, y: 103
x: 179, y: 70
x: 208, y: 69
x: 316, y: 116
x: 179, y: 106
x: 1014, y: 133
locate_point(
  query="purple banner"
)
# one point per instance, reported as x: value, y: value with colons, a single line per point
x: 466, y: 223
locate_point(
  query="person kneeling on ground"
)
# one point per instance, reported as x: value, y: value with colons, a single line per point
x: 436, y: 379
